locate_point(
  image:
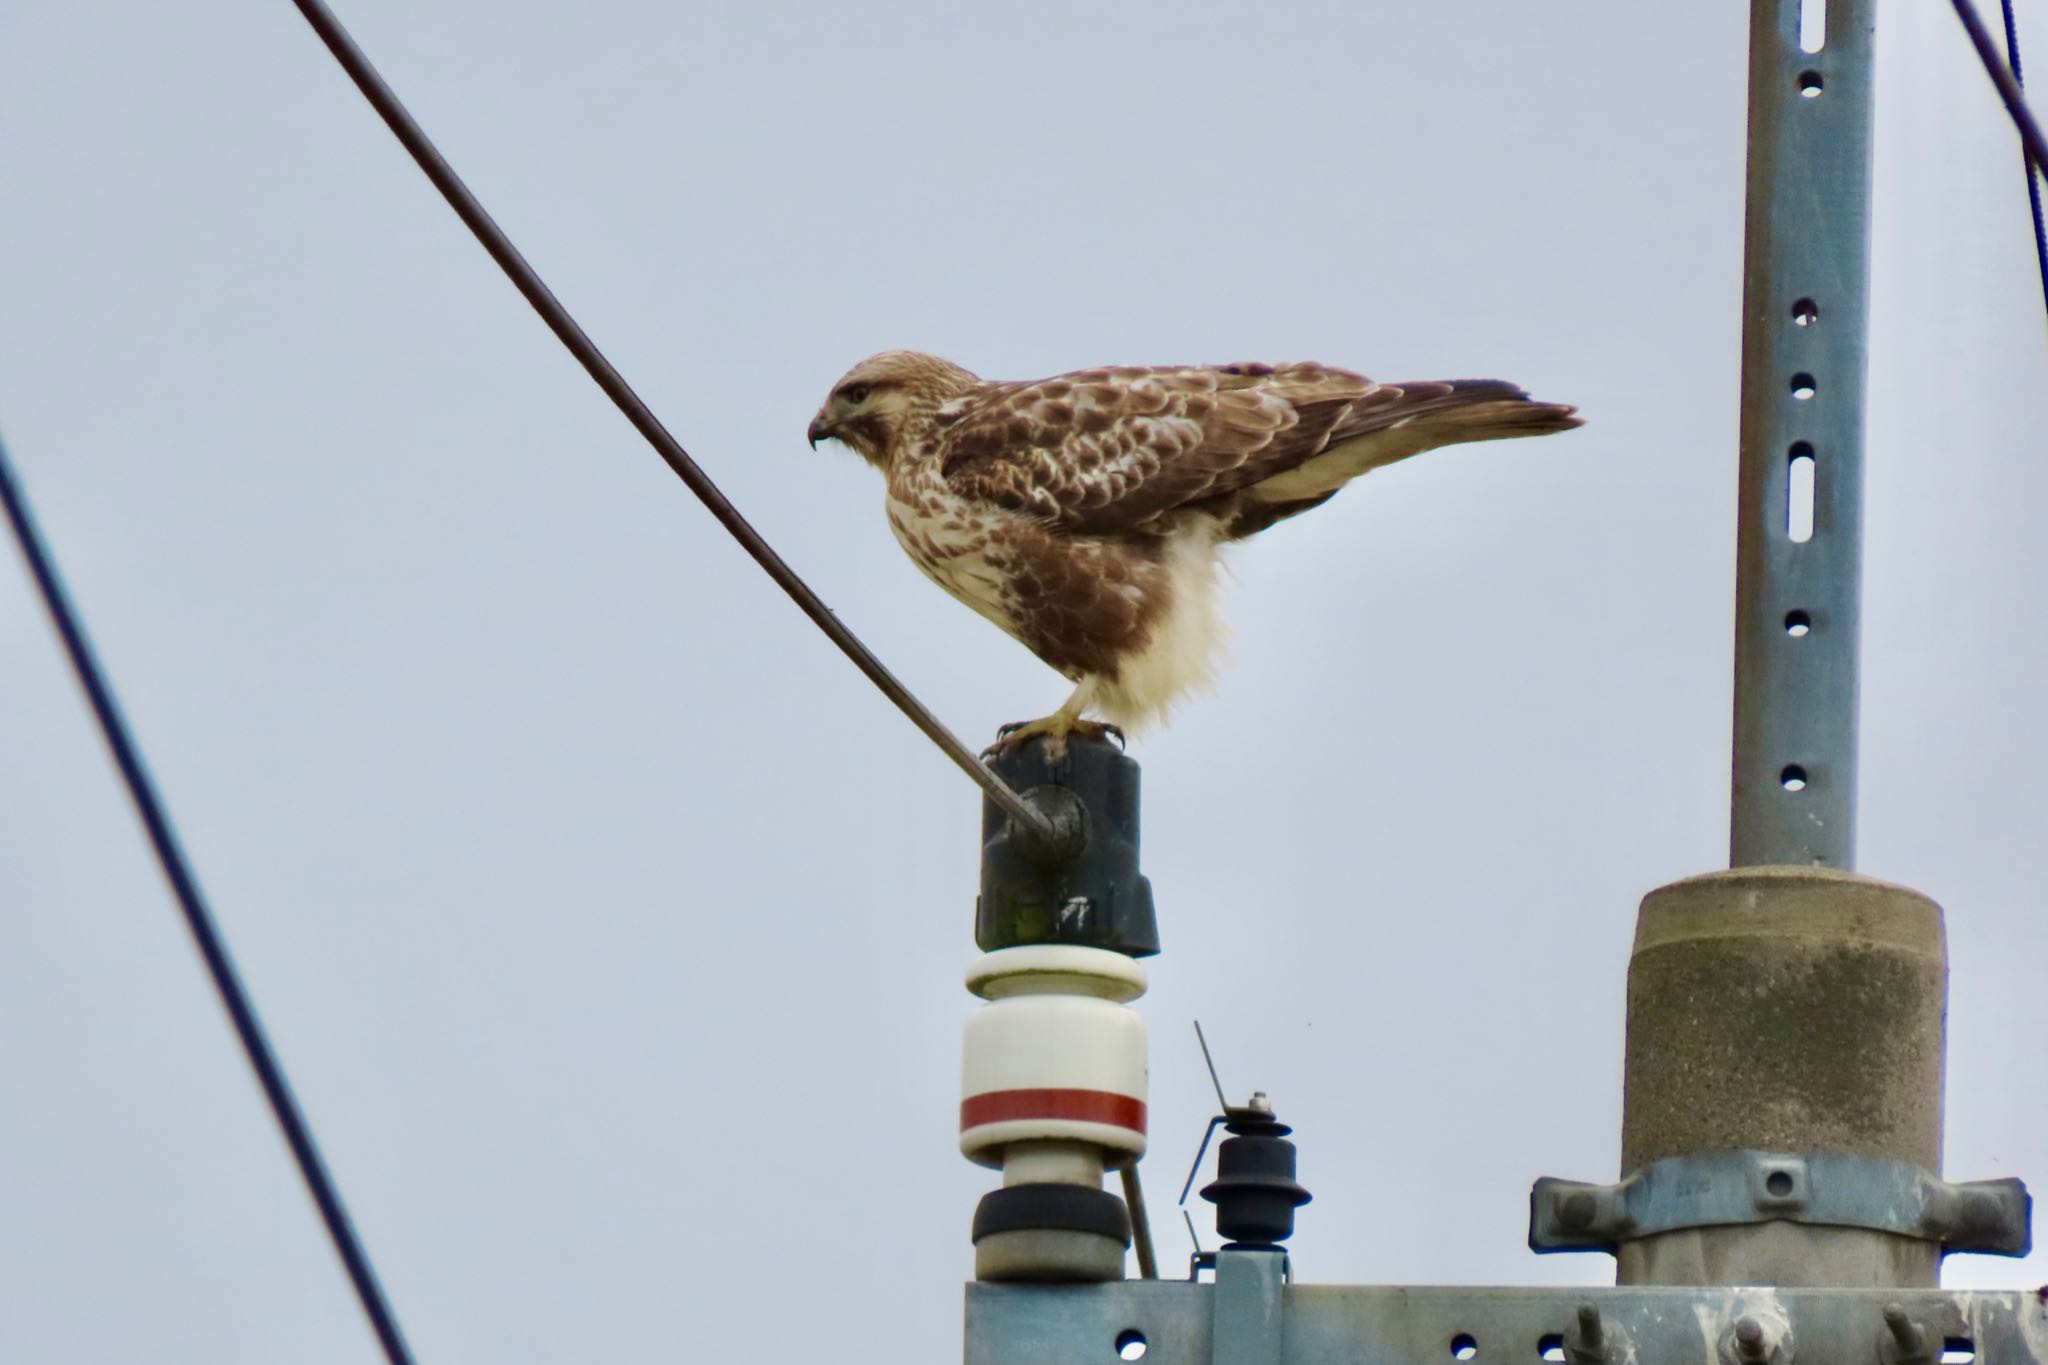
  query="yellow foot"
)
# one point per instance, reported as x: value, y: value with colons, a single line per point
x: 1054, y: 728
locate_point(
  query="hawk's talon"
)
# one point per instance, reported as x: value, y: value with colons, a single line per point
x: 1054, y: 729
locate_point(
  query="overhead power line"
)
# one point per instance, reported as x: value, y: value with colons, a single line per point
x: 529, y: 283
x: 199, y: 918
x: 2019, y: 80
x: 2008, y: 86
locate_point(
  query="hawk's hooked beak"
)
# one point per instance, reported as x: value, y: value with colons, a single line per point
x: 820, y: 430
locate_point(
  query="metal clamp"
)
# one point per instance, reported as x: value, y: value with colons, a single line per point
x: 1994, y: 1217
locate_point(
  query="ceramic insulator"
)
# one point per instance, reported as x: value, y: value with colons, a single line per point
x: 1056, y: 1054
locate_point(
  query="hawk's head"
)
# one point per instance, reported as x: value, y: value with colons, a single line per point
x: 873, y: 402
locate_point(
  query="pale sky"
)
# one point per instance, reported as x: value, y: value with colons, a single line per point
x: 611, y: 927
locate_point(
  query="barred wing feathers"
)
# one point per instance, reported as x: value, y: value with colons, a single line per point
x: 1120, y: 450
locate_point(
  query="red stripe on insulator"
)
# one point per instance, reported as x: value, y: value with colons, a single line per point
x: 1079, y: 1106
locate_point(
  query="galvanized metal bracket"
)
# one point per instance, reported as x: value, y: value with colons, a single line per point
x: 1715, y: 1189
x: 1176, y: 1322
x: 1248, y: 1294
x: 1799, y: 534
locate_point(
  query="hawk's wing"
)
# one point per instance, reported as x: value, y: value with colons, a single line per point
x: 1110, y: 450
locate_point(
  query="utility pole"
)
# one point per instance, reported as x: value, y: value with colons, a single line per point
x: 1788, y: 1006
x: 1781, y: 1195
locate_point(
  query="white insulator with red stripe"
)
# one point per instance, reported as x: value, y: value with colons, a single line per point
x: 1057, y: 1053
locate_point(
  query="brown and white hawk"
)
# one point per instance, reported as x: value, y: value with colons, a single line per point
x: 1084, y: 513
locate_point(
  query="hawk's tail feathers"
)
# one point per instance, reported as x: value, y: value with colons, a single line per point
x: 1450, y: 411
x: 1412, y: 418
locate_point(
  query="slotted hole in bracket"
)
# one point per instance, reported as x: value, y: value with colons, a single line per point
x: 1792, y: 778
x: 1798, y: 624
x: 1550, y: 1347
x: 1805, y: 312
x: 1958, y: 1351
x: 1809, y: 85
x: 1779, y: 1183
x: 1130, y: 1344
x: 1464, y: 1346
x: 1799, y: 477
x: 1813, y: 25
x: 1804, y: 386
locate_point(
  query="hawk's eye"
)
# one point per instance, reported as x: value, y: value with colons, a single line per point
x: 855, y: 394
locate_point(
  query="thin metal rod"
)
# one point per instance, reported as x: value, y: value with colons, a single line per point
x: 1210, y: 1062
x: 1141, y: 1222
x: 1201, y: 1150
x: 199, y: 919
x: 1798, y: 585
x: 572, y: 335
x: 2008, y: 87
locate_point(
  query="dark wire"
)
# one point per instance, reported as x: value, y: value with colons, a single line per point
x: 2031, y: 137
x: 2019, y: 80
x: 199, y: 919
x: 572, y: 335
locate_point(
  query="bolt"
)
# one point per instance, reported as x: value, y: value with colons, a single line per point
x: 1260, y: 1104
x: 1909, y: 1343
x: 1576, y: 1211
x: 1064, y: 835
x: 1750, y: 1342
x: 1586, y: 1344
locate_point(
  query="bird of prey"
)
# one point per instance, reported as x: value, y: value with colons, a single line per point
x: 1084, y: 513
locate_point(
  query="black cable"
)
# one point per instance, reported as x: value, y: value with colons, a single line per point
x: 572, y: 335
x: 2031, y: 137
x: 199, y: 919
x: 2019, y: 80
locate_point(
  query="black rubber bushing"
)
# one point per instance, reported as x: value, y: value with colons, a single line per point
x: 1054, y: 1207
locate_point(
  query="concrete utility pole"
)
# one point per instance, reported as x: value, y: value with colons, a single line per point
x: 1781, y: 1195
x: 1781, y: 1114
x: 1788, y: 1006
